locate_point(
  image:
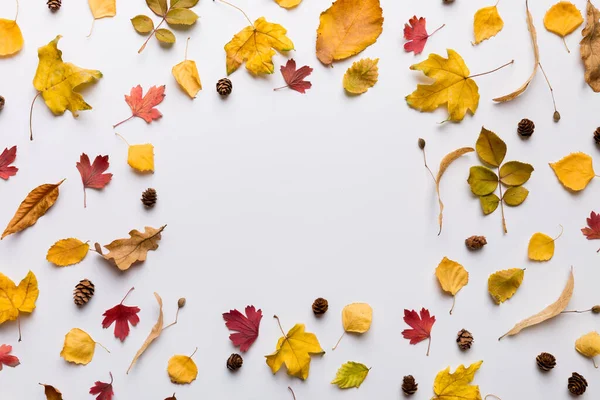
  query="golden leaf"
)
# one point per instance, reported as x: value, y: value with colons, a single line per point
x: 361, y: 76
x: 357, y: 317
x: 487, y: 23
x: 589, y: 47
x: 35, y: 205
x: 483, y: 181
x: 17, y: 299
x: 67, y: 252
x: 79, y: 347
x: 142, y: 24
x: 502, y: 285
x: 141, y: 157
x: 186, y: 75
x: 154, y: 333
x: 574, y: 171
x: 490, y: 148
x: 347, y: 28
x: 562, y: 19
x: 456, y: 386
x: 489, y: 203
x: 103, y: 8
x: 288, y: 3
x: 515, y: 173
x: 589, y: 345
x: 51, y: 392
x: 452, y: 277
x: 541, y: 247
x: 515, y: 196
x: 351, y: 375
x: 11, y: 38
x: 125, y: 252
x: 182, y: 369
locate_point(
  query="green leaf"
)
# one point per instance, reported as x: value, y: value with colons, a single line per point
x: 350, y: 375
x: 181, y: 16
x: 490, y: 148
x: 489, y: 203
x: 183, y: 3
x: 165, y: 36
x: 515, y: 173
x: 142, y: 24
x: 158, y: 7
x: 482, y: 180
x: 515, y: 195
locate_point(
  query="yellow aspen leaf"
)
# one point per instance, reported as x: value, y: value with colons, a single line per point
x: 51, y: 392
x: 141, y: 157
x: 563, y: 18
x: 79, y: 347
x: 541, y: 247
x: 452, y: 277
x: 182, y: 369
x: 490, y: 148
x: 154, y: 333
x: 487, y: 23
x: 35, y: 205
x: 17, y: 299
x: 589, y: 47
x: 455, y: 386
x: 125, y: 252
x: 483, y: 181
x: 357, y: 317
x: 67, y: 252
x: 255, y: 45
x: 347, y: 28
x: 351, y: 375
x: 361, y: 76
x: 574, y: 171
x: 11, y: 38
x: 103, y: 8
x: 186, y: 75
x: 515, y: 196
x: 589, y: 345
x: 502, y: 285
x: 288, y: 3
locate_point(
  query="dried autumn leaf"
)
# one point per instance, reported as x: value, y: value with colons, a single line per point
x: 514, y: 196
x: 172, y: 397
x: 456, y: 386
x: 588, y: 345
x: 15, y: 300
x: 563, y: 18
x: 35, y: 205
x: 141, y: 157
x: 356, y: 318
x: 255, y: 45
x: 574, y: 171
x: 246, y: 326
x: 92, y: 175
x: 351, y: 375
x: 589, y: 47
x: 79, y: 347
x: 549, y: 312
x: 144, y: 107
x: 6, y: 358
x: 51, y: 392
x: 502, y: 285
x: 483, y: 181
x: 490, y: 148
x: 361, y: 76
x: 288, y: 3
x: 541, y: 247
x: 592, y: 231
x: 416, y: 34
x: 125, y: 252
x: 11, y: 38
x: 67, y: 252
x: 515, y: 173
x: 487, y: 23
x: 103, y: 390
x: 7, y: 157
x: 182, y: 369
x: 154, y: 333
x: 186, y: 75
x: 347, y: 28
x: 142, y: 24
x: 452, y: 277
x: 102, y: 9
x: 294, y: 78
x: 122, y: 316
x: 421, y: 325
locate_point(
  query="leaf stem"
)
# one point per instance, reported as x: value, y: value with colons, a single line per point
x: 293, y: 394
x: 152, y: 34
x: 173, y: 323
x: 432, y: 33
x: 125, y: 120
x: 280, y: 328
x: 282, y: 87
x: 549, y: 85
x: 494, y: 70
x: 122, y: 138
x: 239, y: 9
x: 453, y: 303
x: 19, y: 326
x: 187, y: 43
x: 566, y: 47
x: 502, y: 203
x: 428, y: 346
x: 17, y: 14
x: 31, y: 115
x: 84, y: 197
x: 100, y: 344
x: 92, y: 28
x: 594, y: 361
x: 339, y: 340
x: 130, y: 290
x: 493, y: 395
x: 193, y: 353
x: 427, y: 166
x: 111, y: 378
x: 575, y: 311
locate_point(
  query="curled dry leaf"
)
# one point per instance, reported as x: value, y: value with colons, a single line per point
x: 563, y: 18
x: 350, y: 375
x: 154, y: 333
x: 15, y: 300
x: 51, y: 392
x: 487, y: 23
x: 456, y: 386
x: 361, y: 76
x: 549, y: 312
x: 7, y: 157
x: 574, y: 171
x: 67, y: 252
x: 588, y: 345
x: 79, y: 347
x: 125, y: 252
x: 182, y: 369
x: 356, y: 318
x: 589, y: 47
x: 452, y: 277
x: 502, y: 285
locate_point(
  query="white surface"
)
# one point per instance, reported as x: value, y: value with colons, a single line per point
x: 275, y: 198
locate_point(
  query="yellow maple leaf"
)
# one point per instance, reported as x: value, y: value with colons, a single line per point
x: 17, y: 299
x: 574, y: 171
x: 361, y: 76
x: 589, y: 345
x: 11, y: 38
x: 452, y: 277
x: 79, y: 347
x: 255, y: 45
x: 456, y: 386
x: 487, y: 23
x: 125, y: 252
x: 294, y: 349
x: 502, y: 285
x: 67, y: 252
x: 347, y: 28
x: 562, y: 19
x: 182, y: 369
x: 186, y: 75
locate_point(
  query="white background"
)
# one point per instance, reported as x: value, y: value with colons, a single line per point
x: 275, y: 198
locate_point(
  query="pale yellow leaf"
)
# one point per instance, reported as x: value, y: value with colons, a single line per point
x: 541, y: 247
x: 588, y: 345
x: 288, y: 3
x: 11, y: 38
x: 79, y: 347
x: 186, y: 75
x: 574, y: 171
x: 67, y: 252
x: 357, y: 317
x: 103, y: 8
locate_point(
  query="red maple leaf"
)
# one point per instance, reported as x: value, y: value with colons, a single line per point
x: 246, y: 326
x: 295, y: 78
x: 123, y: 315
x: 421, y: 326
x: 103, y: 390
x: 592, y: 231
x: 6, y: 158
x: 5, y: 359
x: 92, y: 175
x: 144, y: 107
x: 416, y: 34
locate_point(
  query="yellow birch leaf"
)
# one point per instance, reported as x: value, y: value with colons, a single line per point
x: 154, y: 333
x: 451, y: 87
x: 589, y: 345
x: 456, y: 386
x: 562, y: 18
x: 182, y: 369
x: 186, y: 75
x: 11, y: 38
x: 574, y: 171
x: 255, y: 45
x: 452, y: 277
x: 126, y: 252
x: 79, y: 347
x: 502, y: 285
x: 589, y: 47
x: 103, y: 8
x: 51, y: 392
x: 487, y: 23
x: 67, y: 252
x: 17, y: 299
x: 288, y: 3
x: 141, y: 157
x: 357, y: 317
x: 541, y: 247
x: 351, y: 375
x: 361, y: 76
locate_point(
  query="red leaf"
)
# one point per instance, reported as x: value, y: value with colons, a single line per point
x: 123, y: 315
x: 246, y: 326
x: 295, y: 78
x: 103, y: 390
x: 421, y: 326
x: 416, y: 34
x: 172, y: 397
x: 593, y: 232
x: 92, y: 175
x: 8, y: 157
x: 144, y: 107
x: 9, y: 361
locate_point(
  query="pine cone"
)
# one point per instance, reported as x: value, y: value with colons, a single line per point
x: 234, y: 362
x: 83, y: 292
x: 475, y: 242
x: 224, y: 87
x: 546, y: 361
x: 320, y: 306
x: 2, y: 102
x: 409, y: 385
x: 597, y: 135
x: 577, y: 384
x: 54, y: 5
x: 464, y: 339
x: 149, y: 197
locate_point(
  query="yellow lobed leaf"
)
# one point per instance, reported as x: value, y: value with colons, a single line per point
x: 142, y: 24
x: 165, y: 36
x: 482, y: 180
x: 490, y: 148
x: 361, y: 76
x: 11, y: 38
x: 182, y: 369
x: 67, y: 252
x: 51, y: 392
x: 452, y: 86
x: 256, y: 45
x: 103, y: 8
x: 515, y: 196
x: 125, y: 252
x: 489, y: 203
x: 541, y: 247
x: 515, y: 173
x: 456, y: 386
x: 562, y: 18
x: 35, y: 205
x: 451, y: 275
x: 288, y: 3
x: 347, y: 28
x: 589, y: 47
x: 141, y: 157
x: 17, y: 299
x: 154, y: 333
x: 502, y: 285
x: 79, y: 347
x: 574, y: 171
x: 186, y: 75
x: 357, y: 317
x: 350, y: 375
x: 487, y: 23
x: 295, y: 350
x: 588, y: 345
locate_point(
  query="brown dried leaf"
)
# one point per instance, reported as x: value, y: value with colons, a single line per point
x: 590, y: 47
x: 154, y: 333
x: 51, y: 392
x: 125, y: 252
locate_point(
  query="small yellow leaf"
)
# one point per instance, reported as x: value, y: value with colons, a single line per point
x: 562, y: 18
x: 588, y: 345
x: 574, y: 171
x: 541, y: 247
x: 456, y: 386
x: 165, y: 36
x: 452, y: 277
x: 103, y: 8
x: 490, y: 148
x: 482, y: 180
x: 350, y: 375
x: 67, y: 252
x: 181, y: 16
x: 11, y: 38
x: 515, y: 173
x: 182, y: 369
x: 487, y: 23
x: 489, y: 203
x: 79, y: 347
x: 515, y: 196
x: 361, y: 76
x: 186, y: 75
x: 142, y: 24
x: 141, y: 157
x: 502, y: 285
x: 288, y: 3
x: 357, y: 317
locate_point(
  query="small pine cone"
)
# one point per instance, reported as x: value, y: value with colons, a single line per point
x: 149, y: 197
x: 597, y: 135
x: 577, y: 384
x: 546, y: 361
x: 54, y: 5
x: 83, y: 292
x: 464, y: 339
x: 475, y: 242
x: 409, y: 385
x: 320, y: 306
x: 525, y: 128
x: 224, y: 87
x: 234, y: 362
x: 2, y: 102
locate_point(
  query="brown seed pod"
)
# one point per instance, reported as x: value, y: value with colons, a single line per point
x: 149, y: 197
x: 409, y: 385
x: 234, y: 362
x: 224, y: 87
x: 54, y: 5
x: 475, y: 242
x: 545, y: 361
x: 421, y: 142
x: 556, y: 116
x: 320, y: 306
x: 577, y: 384
x: 83, y: 292
x: 181, y: 302
x: 596, y: 309
x: 525, y: 128
x: 464, y: 339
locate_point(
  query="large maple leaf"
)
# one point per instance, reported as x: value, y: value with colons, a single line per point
x: 421, y: 325
x: 247, y: 326
x: 7, y: 157
x: 144, y: 107
x: 92, y: 175
x: 6, y: 359
x: 123, y: 316
x: 126, y: 252
x: 416, y: 34
x: 103, y: 390
x: 294, y: 78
